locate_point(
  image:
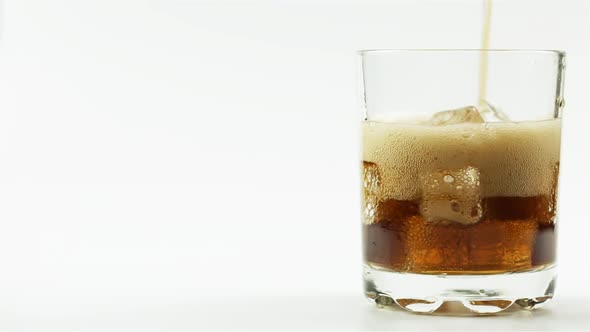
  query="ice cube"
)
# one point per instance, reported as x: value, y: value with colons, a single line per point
x: 371, y: 186
x: 467, y: 114
x: 451, y: 196
x: 490, y: 113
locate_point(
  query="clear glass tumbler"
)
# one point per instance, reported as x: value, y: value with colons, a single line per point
x: 460, y: 163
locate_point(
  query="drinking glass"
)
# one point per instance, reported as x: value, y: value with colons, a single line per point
x: 460, y: 164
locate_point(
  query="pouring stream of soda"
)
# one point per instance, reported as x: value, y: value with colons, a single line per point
x: 485, y: 44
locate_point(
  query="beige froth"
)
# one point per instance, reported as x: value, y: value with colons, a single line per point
x: 513, y: 159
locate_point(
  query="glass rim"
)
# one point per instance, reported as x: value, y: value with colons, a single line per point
x: 460, y: 50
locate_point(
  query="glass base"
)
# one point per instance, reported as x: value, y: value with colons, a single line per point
x: 460, y: 294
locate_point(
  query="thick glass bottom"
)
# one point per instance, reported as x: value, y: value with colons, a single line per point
x: 459, y: 294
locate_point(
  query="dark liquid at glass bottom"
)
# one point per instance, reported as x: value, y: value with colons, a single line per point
x: 514, y: 234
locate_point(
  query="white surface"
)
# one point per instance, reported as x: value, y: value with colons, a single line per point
x: 312, y: 312
x: 158, y: 151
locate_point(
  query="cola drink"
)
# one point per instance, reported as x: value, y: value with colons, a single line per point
x: 459, y: 195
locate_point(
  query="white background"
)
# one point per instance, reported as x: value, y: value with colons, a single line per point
x: 194, y: 164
